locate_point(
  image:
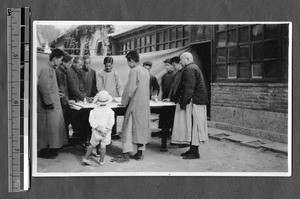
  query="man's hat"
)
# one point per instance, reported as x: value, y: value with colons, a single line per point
x: 147, y: 63
x: 103, y: 98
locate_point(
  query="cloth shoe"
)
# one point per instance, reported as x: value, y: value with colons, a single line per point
x: 138, y: 156
x: 101, y: 163
x: 121, y: 158
x: 186, y: 153
x: 86, y: 161
x: 191, y: 156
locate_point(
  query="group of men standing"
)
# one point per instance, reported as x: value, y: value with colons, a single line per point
x: 65, y: 80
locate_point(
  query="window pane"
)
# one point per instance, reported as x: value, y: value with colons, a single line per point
x: 232, y: 37
x: 243, y: 52
x: 270, y: 69
x: 256, y: 51
x: 186, y: 31
x: 244, y: 35
x: 160, y: 37
x: 244, y: 70
x: 221, y: 39
x: 173, y: 34
x: 221, y: 55
x: 271, y: 31
x: 222, y: 27
x: 132, y: 44
x: 148, y: 40
x: 186, y: 42
x: 142, y: 41
x: 221, y: 72
x: 173, y: 45
x: 179, y: 33
x: 256, y: 70
x: 142, y: 50
x: 160, y: 47
x: 232, y: 54
x: 152, y: 48
x: 147, y: 49
x: 138, y: 44
x: 128, y: 45
x: 207, y: 32
x: 124, y: 46
x: 166, y: 35
x: 232, y: 73
x: 152, y: 39
x: 166, y: 46
x: 256, y: 32
x: 179, y: 43
x: 271, y: 49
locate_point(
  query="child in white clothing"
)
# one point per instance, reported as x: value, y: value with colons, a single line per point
x: 101, y: 119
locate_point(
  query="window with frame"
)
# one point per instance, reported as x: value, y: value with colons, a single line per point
x: 126, y: 46
x: 248, y: 52
x: 145, y: 43
x: 174, y: 37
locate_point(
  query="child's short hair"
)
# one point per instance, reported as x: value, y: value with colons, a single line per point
x: 133, y: 55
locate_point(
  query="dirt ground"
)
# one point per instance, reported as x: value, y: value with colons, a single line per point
x: 216, y: 157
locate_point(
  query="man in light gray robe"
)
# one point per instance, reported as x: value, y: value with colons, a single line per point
x: 51, y: 132
x: 136, y: 126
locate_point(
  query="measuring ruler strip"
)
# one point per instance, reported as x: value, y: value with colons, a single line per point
x: 18, y: 54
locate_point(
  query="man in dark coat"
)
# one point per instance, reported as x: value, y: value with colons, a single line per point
x: 51, y: 133
x: 154, y: 86
x: 76, y: 81
x: 89, y: 78
x: 61, y: 75
x: 166, y: 117
x: 190, y: 122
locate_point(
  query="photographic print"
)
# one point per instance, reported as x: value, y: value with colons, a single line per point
x: 161, y: 98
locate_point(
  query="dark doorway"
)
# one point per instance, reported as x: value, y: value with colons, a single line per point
x: 202, y: 57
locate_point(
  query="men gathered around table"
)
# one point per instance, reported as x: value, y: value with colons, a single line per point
x: 190, y: 122
x: 136, y: 125
x: 51, y: 131
x: 153, y: 86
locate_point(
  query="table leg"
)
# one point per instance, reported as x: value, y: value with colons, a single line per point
x: 114, y: 128
x: 164, y: 136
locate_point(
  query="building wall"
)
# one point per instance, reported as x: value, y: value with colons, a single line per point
x: 256, y: 109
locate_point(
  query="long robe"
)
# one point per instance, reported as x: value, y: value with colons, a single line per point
x: 136, y: 99
x: 50, y: 122
x: 110, y: 82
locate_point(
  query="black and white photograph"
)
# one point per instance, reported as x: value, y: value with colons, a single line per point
x: 128, y: 98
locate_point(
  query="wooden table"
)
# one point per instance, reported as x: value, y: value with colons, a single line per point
x: 155, y: 107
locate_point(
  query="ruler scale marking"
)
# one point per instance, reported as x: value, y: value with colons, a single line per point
x: 18, y: 40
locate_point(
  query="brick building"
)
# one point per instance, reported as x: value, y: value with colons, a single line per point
x: 245, y: 68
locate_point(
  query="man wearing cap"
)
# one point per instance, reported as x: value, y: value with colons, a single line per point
x: 136, y: 126
x: 166, y: 117
x: 154, y: 86
x: 190, y: 122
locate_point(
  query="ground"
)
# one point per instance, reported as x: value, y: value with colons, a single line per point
x: 217, y: 157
